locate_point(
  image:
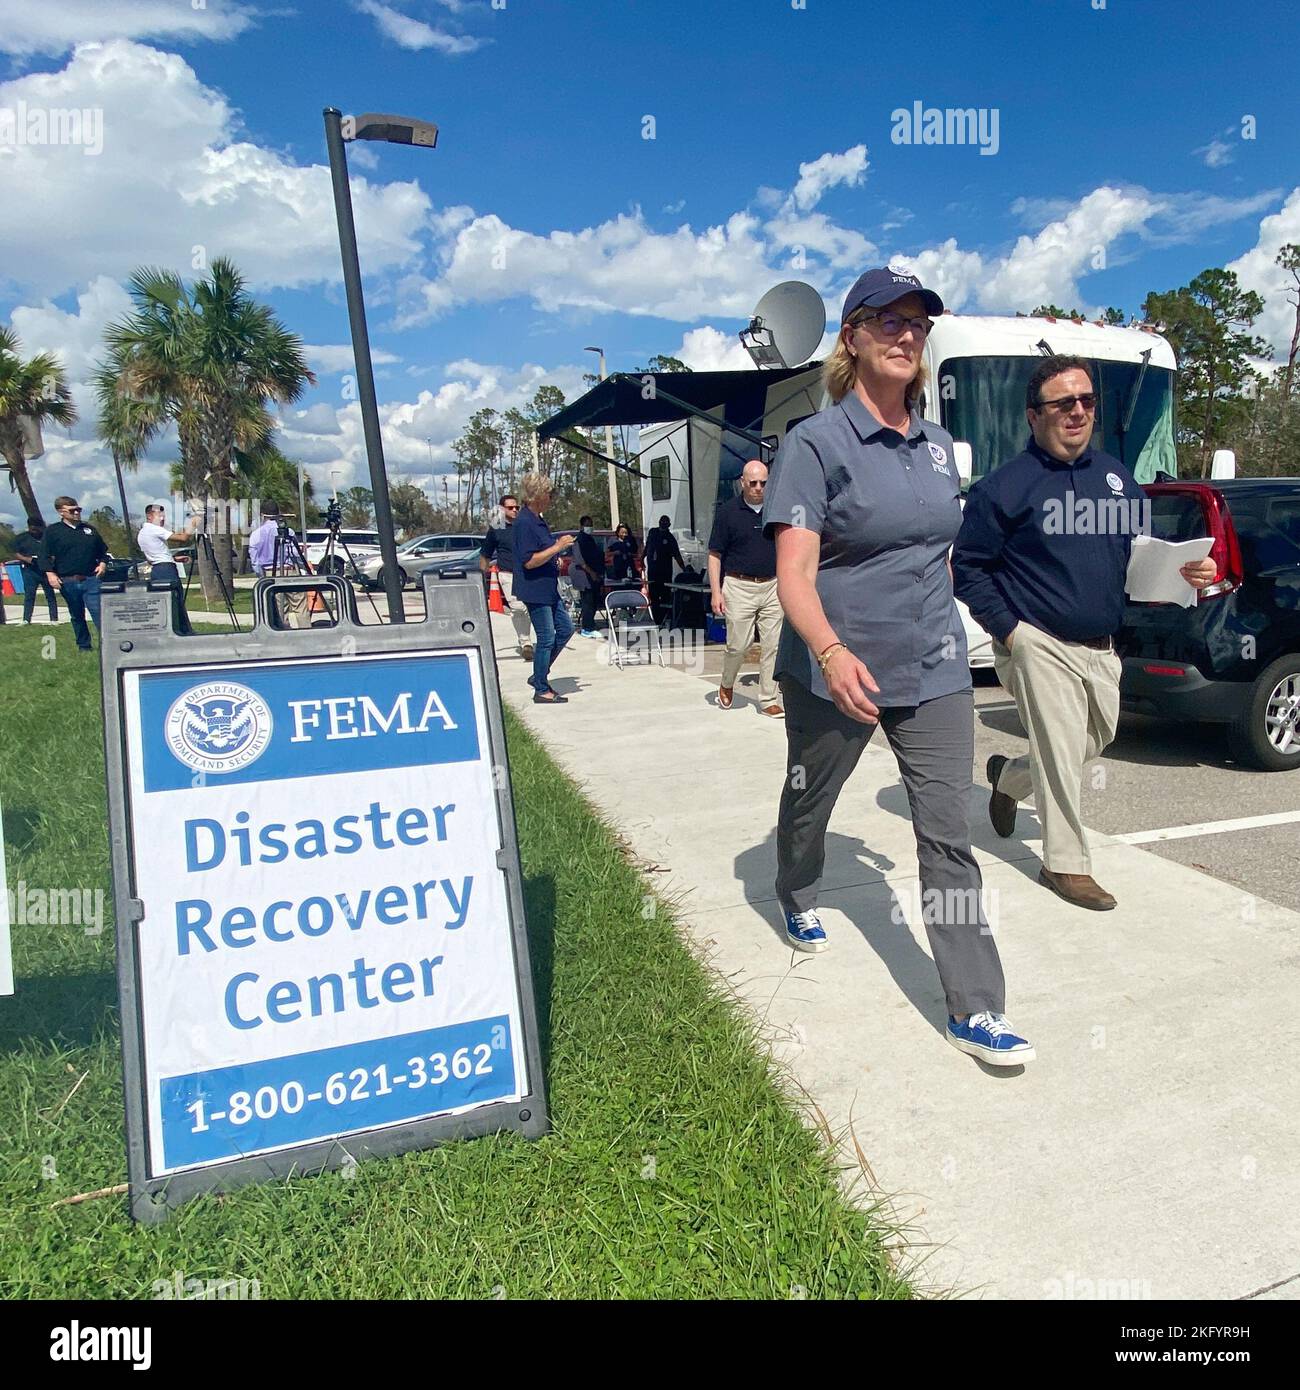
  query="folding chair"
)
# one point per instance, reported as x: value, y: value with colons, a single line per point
x: 627, y: 611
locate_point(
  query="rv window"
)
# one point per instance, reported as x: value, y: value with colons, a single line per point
x: 982, y: 399
x: 661, y: 487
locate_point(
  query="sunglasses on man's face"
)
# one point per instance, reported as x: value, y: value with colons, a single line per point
x: 1063, y: 405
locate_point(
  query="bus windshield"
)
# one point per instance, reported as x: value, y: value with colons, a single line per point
x: 982, y: 400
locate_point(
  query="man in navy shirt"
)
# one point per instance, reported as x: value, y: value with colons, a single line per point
x: 1040, y: 561
x: 537, y: 573
x: 742, y: 578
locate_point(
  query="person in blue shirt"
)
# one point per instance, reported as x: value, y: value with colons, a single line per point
x: 537, y: 574
x: 863, y: 505
x: 1040, y: 561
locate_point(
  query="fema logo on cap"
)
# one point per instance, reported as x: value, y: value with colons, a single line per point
x: 1115, y: 481
x: 218, y: 727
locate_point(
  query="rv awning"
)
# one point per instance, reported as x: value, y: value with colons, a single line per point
x: 626, y: 398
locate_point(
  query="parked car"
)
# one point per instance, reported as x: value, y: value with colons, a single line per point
x: 1233, y: 657
x: 466, y: 560
x: 415, y: 555
x: 361, y: 544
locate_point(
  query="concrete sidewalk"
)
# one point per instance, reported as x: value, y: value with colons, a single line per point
x: 1150, y: 1152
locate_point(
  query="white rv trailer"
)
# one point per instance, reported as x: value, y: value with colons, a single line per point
x: 698, y: 429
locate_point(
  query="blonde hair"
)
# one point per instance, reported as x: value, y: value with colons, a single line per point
x: 841, y: 368
x: 533, y: 486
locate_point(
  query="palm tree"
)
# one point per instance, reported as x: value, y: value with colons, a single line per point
x: 35, y: 391
x: 210, y: 360
x: 125, y: 426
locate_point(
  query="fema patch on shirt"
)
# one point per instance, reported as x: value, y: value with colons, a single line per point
x: 1115, y: 481
x: 939, y: 455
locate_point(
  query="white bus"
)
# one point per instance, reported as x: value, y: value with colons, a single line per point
x: 697, y: 429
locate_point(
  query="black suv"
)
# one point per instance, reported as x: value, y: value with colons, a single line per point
x: 1233, y: 657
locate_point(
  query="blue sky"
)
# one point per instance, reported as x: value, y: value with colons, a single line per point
x: 545, y: 220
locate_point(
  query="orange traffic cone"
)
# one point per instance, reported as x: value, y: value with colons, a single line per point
x: 496, y: 596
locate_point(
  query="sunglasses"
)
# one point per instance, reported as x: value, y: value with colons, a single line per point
x: 1063, y: 405
x: 891, y: 325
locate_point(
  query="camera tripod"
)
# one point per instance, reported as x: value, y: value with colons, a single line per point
x: 203, y: 543
x: 333, y: 520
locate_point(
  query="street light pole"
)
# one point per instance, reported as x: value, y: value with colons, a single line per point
x: 361, y: 354
x: 609, y: 452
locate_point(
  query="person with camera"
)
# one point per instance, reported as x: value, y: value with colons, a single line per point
x: 153, y: 539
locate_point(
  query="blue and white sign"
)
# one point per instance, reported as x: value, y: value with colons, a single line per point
x: 326, y: 945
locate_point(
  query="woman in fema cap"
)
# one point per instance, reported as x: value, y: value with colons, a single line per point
x: 864, y: 504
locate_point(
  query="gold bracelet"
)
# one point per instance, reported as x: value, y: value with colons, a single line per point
x: 824, y: 659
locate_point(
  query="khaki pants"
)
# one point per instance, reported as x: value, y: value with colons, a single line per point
x: 748, y: 602
x: 1068, y: 698
x: 518, y: 611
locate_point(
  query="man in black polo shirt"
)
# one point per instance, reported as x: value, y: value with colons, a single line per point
x: 1040, y: 561
x: 27, y: 547
x: 72, y: 558
x: 740, y: 551
x: 499, y: 545
x: 661, y: 553
x: 587, y: 574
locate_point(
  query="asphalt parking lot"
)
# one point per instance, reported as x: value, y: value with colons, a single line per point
x: 1156, y: 776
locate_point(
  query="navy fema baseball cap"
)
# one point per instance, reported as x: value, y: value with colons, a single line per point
x: 876, y: 288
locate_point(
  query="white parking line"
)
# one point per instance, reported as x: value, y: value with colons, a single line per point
x: 1209, y: 827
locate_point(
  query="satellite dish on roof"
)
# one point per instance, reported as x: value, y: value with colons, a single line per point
x: 787, y: 326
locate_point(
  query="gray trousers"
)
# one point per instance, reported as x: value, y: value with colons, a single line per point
x: 934, y: 743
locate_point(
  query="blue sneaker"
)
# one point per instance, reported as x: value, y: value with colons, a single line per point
x: 588, y: 632
x: 991, y: 1038
x: 804, y: 931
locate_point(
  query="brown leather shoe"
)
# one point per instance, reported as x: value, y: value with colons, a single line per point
x: 774, y: 711
x: 724, y: 697
x: 1080, y: 889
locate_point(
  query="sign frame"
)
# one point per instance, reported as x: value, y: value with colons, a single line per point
x: 138, y: 635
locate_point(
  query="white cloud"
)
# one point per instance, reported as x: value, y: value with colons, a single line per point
x: 174, y: 185
x: 1257, y: 270
x: 672, y: 209
x: 50, y: 28
x: 415, y: 34
x: 1216, y: 154
x: 621, y: 266
x: 843, y: 248
x: 328, y: 358
x: 828, y: 171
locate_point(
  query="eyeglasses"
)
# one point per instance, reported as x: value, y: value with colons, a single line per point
x: 1065, y: 404
x: 755, y: 482
x: 510, y: 506
x: 891, y: 325
x: 69, y: 509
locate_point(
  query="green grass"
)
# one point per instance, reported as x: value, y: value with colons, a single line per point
x: 645, y: 1058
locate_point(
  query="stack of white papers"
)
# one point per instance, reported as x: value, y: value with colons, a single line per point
x: 1153, y: 570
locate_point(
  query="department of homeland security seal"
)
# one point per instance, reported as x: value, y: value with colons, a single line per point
x: 218, y: 727
x: 1115, y: 481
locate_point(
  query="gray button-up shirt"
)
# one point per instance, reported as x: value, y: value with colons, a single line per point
x: 887, y: 508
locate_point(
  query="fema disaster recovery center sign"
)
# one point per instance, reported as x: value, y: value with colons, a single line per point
x: 326, y: 942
